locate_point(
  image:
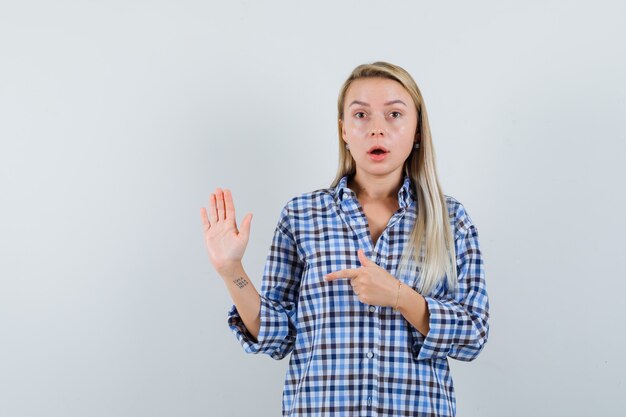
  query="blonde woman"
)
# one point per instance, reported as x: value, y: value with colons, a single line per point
x: 372, y: 283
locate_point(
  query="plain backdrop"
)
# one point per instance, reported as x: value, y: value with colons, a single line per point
x: 119, y: 118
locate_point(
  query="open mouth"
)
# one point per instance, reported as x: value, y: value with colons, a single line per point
x: 377, y: 150
x: 377, y: 153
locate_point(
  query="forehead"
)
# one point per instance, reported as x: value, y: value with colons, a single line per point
x: 376, y: 91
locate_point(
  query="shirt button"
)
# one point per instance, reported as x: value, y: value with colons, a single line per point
x: 372, y: 309
x: 369, y: 400
x: 370, y: 354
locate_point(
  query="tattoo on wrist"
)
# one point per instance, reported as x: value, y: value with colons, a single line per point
x: 241, y: 282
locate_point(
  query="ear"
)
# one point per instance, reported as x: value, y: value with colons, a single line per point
x: 418, y: 134
x: 343, y: 131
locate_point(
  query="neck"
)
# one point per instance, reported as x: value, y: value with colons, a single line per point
x: 376, y: 188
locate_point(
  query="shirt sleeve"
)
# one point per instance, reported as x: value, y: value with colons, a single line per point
x: 459, y: 325
x: 279, y: 293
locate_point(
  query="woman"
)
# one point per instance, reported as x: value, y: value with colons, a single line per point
x: 370, y: 284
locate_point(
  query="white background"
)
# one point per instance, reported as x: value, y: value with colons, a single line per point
x: 119, y: 118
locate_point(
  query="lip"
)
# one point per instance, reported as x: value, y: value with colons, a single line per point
x: 377, y: 147
x: 377, y: 158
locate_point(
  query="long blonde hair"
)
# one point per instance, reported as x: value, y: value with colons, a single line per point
x: 431, y: 243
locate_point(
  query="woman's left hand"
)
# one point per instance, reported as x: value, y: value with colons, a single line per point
x: 371, y: 283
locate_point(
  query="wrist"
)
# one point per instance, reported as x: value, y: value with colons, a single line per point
x: 229, y: 268
x: 396, y: 296
x: 409, y: 299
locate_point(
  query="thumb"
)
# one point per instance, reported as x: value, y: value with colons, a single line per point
x: 245, y: 226
x: 364, y: 259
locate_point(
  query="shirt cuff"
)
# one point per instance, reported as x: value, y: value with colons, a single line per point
x: 274, y: 338
x: 442, y: 331
x: 250, y: 345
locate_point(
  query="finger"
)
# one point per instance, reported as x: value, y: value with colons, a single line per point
x: 344, y: 273
x: 205, y: 219
x: 365, y: 261
x: 219, y: 202
x: 230, y: 205
x: 212, y: 209
x: 245, y: 226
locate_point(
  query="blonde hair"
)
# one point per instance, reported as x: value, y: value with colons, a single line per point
x: 431, y: 242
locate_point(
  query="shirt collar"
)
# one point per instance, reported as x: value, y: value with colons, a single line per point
x: 406, y: 193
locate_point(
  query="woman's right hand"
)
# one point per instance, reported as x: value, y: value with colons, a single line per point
x: 225, y: 244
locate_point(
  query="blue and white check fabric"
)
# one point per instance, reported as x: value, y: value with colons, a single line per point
x: 349, y: 358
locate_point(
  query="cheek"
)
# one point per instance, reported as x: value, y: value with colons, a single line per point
x: 355, y: 128
x: 406, y: 130
x: 403, y: 132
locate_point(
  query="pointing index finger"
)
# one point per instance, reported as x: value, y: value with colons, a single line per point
x: 344, y: 273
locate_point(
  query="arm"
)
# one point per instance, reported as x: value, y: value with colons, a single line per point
x: 280, y: 286
x: 457, y: 323
x: 245, y: 297
x: 225, y: 246
x: 414, y: 308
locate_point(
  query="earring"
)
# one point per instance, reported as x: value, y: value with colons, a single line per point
x: 416, y: 145
x: 347, y: 146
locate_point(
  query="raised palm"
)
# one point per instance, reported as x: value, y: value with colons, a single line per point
x: 224, y: 242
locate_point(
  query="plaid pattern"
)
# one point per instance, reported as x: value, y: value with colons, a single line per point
x: 349, y: 358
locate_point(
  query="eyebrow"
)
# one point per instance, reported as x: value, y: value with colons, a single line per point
x: 362, y: 103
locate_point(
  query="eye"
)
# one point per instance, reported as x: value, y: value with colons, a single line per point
x: 359, y: 115
x: 395, y: 114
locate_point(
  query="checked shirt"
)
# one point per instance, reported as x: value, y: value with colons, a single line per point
x: 349, y: 358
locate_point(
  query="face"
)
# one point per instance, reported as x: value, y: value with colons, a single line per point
x: 379, y: 112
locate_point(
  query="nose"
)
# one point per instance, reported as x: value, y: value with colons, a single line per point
x: 375, y: 128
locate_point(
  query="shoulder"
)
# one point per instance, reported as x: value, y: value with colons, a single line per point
x: 311, y: 199
x: 304, y: 207
x: 460, y: 219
